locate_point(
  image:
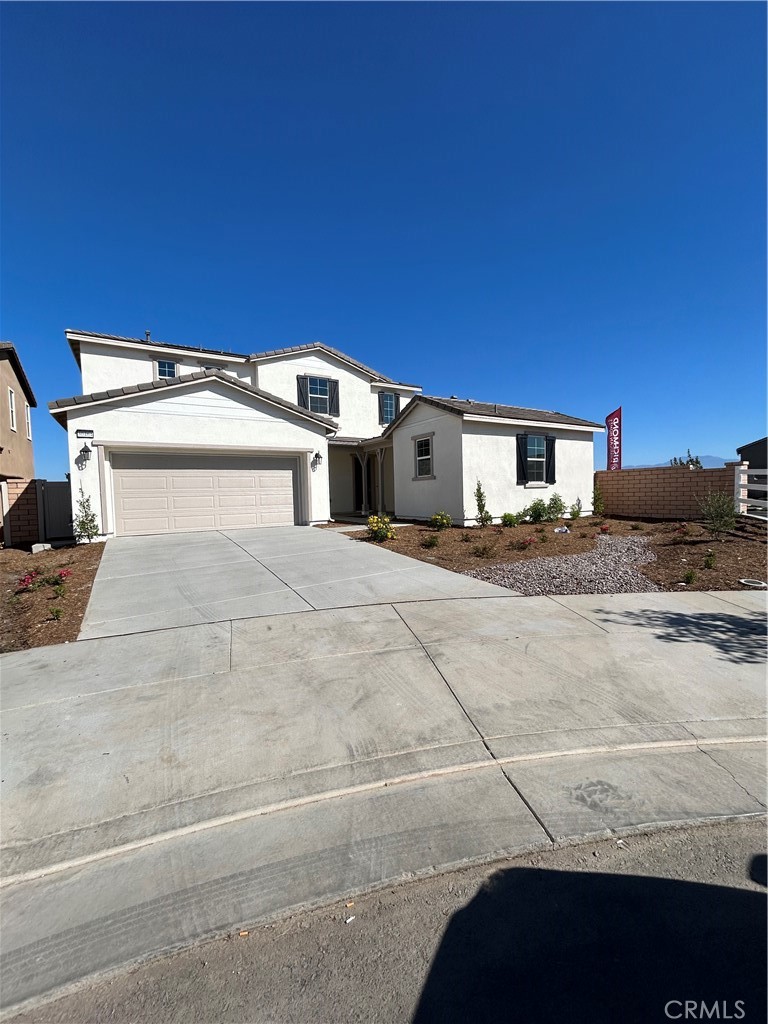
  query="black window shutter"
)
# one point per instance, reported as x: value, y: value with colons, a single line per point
x: 333, y: 398
x: 550, y: 465
x: 397, y: 405
x: 381, y: 407
x: 302, y: 385
x: 522, y: 458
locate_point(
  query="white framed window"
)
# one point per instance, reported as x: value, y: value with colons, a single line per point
x: 318, y: 394
x: 388, y: 407
x: 166, y: 368
x: 423, y: 457
x: 12, y: 407
x: 537, y: 458
x: 28, y: 420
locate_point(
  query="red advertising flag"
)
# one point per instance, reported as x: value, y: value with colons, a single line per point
x: 613, y: 428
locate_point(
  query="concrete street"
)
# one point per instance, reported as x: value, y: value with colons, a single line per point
x: 211, y: 754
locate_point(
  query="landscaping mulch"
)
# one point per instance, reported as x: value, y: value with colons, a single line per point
x: 26, y: 618
x: 675, y: 549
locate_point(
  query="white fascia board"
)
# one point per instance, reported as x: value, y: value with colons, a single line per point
x: 163, y: 349
x: 532, y: 423
x: 190, y: 383
x: 380, y: 385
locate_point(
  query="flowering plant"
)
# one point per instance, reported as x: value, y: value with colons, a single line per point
x: 379, y: 528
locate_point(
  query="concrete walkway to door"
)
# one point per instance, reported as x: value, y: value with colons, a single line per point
x: 163, y: 581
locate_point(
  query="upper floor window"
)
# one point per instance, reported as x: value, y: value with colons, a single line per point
x: 537, y: 456
x: 318, y: 394
x: 389, y: 406
x: 28, y: 420
x: 12, y: 407
x: 166, y: 368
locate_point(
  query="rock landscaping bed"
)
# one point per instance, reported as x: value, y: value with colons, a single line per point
x: 43, y: 597
x: 598, y: 556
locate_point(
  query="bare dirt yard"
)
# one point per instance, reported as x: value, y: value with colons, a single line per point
x: 43, y: 597
x: 670, y: 555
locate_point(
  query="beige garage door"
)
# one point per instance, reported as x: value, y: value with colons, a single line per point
x: 167, y: 493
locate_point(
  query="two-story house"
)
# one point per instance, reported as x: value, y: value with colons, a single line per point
x: 168, y: 438
x: 17, y: 460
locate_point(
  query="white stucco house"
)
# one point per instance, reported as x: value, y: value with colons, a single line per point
x: 171, y: 438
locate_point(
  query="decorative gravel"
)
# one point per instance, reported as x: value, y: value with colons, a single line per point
x: 609, y: 569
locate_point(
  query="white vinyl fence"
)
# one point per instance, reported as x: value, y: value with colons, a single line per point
x: 751, y: 491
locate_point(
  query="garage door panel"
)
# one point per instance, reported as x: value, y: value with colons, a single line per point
x: 161, y: 493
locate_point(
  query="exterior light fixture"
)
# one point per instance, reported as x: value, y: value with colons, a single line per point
x: 318, y: 459
x: 85, y: 453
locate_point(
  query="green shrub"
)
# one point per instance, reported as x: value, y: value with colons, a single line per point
x: 537, y: 511
x: 555, y: 508
x: 635, y: 526
x: 598, y: 502
x: 689, y: 576
x: 56, y: 613
x: 543, y: 538
x: 59, y: 590
x: 465, y: 537
x: 710, y: 560
x: 430, y: 541
x: 576, y: 509
x: 484, y: 550
x: 440, y: 521
x: 380, y: 529
x: 718, y: 512
x: 509, y: 519
x: 484, y: 517
x: 84, y: 524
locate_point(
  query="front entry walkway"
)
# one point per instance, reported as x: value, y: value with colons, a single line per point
x: 158, y: 582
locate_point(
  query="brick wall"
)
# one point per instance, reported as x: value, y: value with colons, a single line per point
x: 22, y: 512
x: 667, y: 492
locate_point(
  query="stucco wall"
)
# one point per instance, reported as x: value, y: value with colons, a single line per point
x: 358, y: 398
x: 197, y: 418
x: 490, y: 455
x: 420, y: 499
x: 114, y: 366
x: 17, y: 457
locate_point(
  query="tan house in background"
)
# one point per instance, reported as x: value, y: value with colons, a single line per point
x: 16, y: 401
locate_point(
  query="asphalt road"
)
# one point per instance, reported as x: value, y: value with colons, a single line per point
x: 599, y: 932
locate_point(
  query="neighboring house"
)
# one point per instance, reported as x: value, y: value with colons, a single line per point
x: 756, y: 454
x: 171, y: 438
x: 16, y: 402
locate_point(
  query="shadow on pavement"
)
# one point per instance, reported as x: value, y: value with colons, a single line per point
x: 739, y: 637
x: 540, y: 947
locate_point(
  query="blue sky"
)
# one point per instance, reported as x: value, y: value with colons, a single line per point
x: 553, y: 205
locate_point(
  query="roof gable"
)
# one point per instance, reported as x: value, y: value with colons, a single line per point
x: 8, y: 351
x: 513, y: 413
x: 319, y: 346
x: 61, y: 406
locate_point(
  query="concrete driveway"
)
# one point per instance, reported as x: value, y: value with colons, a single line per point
x: 166, y: 784
x: 147, y: 583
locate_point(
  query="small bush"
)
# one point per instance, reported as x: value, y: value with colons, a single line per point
x: 527, y: 542
x: 605, y: 528
x: 483, y: 550
x: 509, y: 519
x: 537, y: 511
x: 380, y: 529
x: 440, y: 521
x: 555, y: 508
x: 540, y: 529
x: 430, y: 541
x: 689, y: 576
x: 484, y: 517
x: 576, y: 509
x: 465, y: 537
x: 635, y: 526
x: 598, y: 502
x: 59, y: 590
x: 718, y: 512
x: 543, y: 538
x: 85, y: 525
x: 710, y: 560
x: 56, y: 613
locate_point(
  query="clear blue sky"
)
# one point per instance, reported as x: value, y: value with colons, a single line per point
x: 553, y: 205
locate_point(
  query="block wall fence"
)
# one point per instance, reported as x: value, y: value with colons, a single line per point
x: 665, y: 492
x: 21, y: 513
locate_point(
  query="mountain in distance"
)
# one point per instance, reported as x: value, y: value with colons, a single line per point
x: 707, y: 462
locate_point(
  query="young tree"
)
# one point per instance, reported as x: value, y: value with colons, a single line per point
x: 85, y: 524
x: 484, y: 517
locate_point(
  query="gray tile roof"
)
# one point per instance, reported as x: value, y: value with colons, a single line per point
x: 256, y: 356
x: 152, y: 342
x: 468, y: 407
x: 8, y: 351
x: 60, y: 405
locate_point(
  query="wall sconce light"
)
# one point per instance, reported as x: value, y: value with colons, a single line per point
x: 317, y: 459
x: 85, y: 453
